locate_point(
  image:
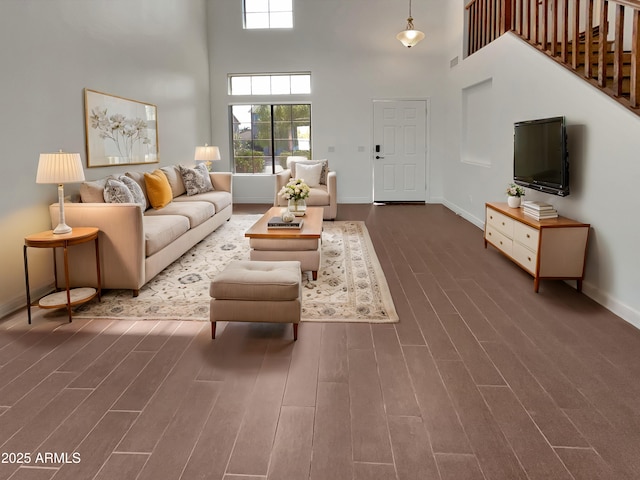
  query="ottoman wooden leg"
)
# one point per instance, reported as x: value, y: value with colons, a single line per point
x: 314, y: 274
x: 213, y: 330
x: 295, y: 332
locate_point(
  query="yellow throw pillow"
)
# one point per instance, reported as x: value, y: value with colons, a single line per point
x: 158, y: 189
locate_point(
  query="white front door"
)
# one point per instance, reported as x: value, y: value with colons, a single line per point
x: 399, y: 153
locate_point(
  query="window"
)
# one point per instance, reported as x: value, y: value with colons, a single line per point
x: 263, y: 136
x: 270, y: 84
x: 268, y: 14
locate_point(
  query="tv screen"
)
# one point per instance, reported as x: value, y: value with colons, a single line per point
x: 540, y: 159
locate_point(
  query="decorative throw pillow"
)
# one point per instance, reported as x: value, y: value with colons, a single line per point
x: 323, y: 174
x: 196, y: 180
x: 309, y: 173
x: 175, y: 179
x: 117, y: 192
x: 136, y: 191
x: 158, y: 189
x: 138, y: 177
x: 93, y: 192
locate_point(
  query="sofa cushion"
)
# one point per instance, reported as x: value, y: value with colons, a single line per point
x: 93, y: 192
x: 196, y: 180
x: 309, y: 173
x: 219, y: 199
x: 175, y: 180
x: 323, y: 175
x: 318, y: 196
x: 196, y: 212
x: 162, y: 230
x: 116, y: 191
x: 158, y: 189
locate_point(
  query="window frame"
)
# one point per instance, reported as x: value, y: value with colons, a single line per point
x: 269, y: 14
x: 251, y: 77
x: 272, y: 157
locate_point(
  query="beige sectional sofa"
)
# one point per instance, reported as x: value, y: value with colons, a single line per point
x: 137, y: 243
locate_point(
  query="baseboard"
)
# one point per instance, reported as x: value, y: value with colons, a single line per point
x: 625, y: 312
x: 19, y: 302
x: 464, y: 214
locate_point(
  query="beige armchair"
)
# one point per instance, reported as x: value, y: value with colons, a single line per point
x: 322, y: 195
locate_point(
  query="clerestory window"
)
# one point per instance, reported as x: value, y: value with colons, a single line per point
x: 270, y: 84
x: 268, y: 14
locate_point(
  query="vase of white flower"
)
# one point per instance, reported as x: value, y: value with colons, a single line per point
x: 514, y: 194
x: 297, y: 207
x: 295, y: 192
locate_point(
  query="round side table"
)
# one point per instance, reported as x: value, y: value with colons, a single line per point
x: 70, y: 297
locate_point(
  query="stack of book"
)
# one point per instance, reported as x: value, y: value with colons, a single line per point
x: 539, y: 210
x: 277, y: 222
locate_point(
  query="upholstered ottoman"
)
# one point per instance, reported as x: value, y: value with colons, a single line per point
x: 257, y: 291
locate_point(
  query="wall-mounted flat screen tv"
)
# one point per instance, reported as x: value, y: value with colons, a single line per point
x: 540, y: 158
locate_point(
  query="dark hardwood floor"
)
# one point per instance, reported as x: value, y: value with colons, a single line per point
x: 481, y: 379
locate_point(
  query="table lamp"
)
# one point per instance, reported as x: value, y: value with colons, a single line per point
x: 60, y: 168
x: 207, y: 154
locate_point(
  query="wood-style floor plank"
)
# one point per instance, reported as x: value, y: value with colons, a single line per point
x: 482, y: 379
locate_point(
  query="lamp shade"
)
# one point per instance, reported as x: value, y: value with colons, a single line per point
x: 409, y: 38
x: 59, y: 168
x: 207, y: 153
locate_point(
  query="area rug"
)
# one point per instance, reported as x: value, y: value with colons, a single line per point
x: 351, y: 286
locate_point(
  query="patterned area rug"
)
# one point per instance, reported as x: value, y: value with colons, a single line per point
x: 351, y: 286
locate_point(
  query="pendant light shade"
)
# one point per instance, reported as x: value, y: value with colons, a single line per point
x: 410, y: 36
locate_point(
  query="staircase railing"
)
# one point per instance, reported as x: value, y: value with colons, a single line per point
x: 596, y: 39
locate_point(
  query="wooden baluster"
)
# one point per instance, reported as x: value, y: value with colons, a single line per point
x: 565, y: 32
x: 602, y: 44
x: 588, y: 38
x: 507, y: 23
x: 576, y: 35
x: 485, y: 20
x: 545, y: 24
x: 635, y: 60
x: 490, y: 4
x: 618, y: 50
x: 535, y: 22
x: 554, y: 27
x: 520, y: 17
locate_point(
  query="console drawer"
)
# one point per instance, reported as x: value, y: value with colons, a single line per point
x: 525, y: 257
x: 526, y: 235
x: 499, y: 240
x: 500, y: 222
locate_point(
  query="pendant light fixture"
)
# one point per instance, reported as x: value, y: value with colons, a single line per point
x: 410, y: 36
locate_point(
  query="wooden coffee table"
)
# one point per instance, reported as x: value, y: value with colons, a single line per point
x: 288, y: 243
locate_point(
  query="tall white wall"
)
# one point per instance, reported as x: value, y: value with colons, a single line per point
x: 353, y: 56
x: 603, y: 146
x: 151, y: 51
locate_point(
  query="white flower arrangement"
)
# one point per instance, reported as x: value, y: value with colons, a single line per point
x: 514, y: 190
x: 295, y: 189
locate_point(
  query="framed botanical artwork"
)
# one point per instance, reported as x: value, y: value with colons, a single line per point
x: 119, y: 130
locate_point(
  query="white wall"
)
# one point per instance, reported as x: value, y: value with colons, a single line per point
x: 353, y: 56
x: 604, y: 142
x: 50, y: 51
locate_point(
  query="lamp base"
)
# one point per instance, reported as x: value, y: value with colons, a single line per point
x: 62, y: 228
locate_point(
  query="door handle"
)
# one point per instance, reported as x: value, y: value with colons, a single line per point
x: 378, y: 157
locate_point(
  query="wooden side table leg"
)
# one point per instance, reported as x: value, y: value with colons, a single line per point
x: 98, y: 270
x: 26, y: 279
x: 66, y: 280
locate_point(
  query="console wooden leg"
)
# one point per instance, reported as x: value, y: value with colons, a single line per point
x: 314, y: 274
x: 579, y: 285
x: 213, y: 330
x: 536, y: 284
x: 295, y: 332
